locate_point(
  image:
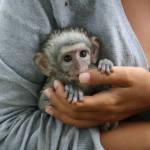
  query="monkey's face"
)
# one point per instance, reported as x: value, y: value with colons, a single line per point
x: 75, y: 59
x: 69, y: 53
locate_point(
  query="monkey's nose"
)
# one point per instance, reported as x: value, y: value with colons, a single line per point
x: 77, y: 66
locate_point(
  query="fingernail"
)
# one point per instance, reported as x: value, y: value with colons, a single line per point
x: 49, y: 110
x: 84, y: 77
x: 56, y: 84
x: 47, y: 93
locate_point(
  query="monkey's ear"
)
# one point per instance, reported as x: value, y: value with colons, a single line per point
x: 42, y: 62
x: 95, y: 49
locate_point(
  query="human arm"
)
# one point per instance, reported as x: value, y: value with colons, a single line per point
x: 135, y: 136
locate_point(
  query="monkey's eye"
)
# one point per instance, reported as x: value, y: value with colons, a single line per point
x: 67, y: 58
x: 83, y: 53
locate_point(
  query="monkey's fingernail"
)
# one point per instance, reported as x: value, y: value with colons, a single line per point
x: 84, y: 77
x: 56, y: 84
x: 47, y: 92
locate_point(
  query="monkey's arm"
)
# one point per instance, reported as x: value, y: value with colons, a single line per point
x: 73, y: 91
x: 43, y: 100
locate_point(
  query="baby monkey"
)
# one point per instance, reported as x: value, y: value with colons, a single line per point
x: 65, y: 55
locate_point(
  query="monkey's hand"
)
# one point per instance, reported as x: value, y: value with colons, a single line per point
x: 105, y: 66
x: 73, y: 93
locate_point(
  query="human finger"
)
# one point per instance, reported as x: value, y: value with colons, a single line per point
x: 120, y: 76
x: 69, y: 120
x: 54, y: 99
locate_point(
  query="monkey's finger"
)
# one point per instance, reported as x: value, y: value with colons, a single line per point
x: 64, y: 97
x: 111, y: 65
x: 66, y: 91
x: 71, y: 94
x: 75, y: 96
x: 81, y: 95
x: 111, y: 68
x: 103, y: 69
x: 120, y: 77
x: 101, y: 61
x: 100, y: 65
x: 108, y: 69
x: 69, y: 120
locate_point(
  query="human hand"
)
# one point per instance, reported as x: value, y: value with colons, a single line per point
x: 129, y: 96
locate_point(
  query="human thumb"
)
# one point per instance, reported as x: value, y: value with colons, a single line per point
x: 120, y: 76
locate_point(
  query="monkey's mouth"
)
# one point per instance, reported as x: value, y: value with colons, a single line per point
x: 74, y: 76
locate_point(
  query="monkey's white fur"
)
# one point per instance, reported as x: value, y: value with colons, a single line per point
x: 65, y: 37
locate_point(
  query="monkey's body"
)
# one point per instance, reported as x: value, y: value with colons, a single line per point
x: 64, y: 56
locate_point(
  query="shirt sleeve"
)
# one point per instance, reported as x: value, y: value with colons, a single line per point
x: 23, y: 26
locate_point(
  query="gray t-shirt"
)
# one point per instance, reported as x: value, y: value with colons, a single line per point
x: 24, y: 25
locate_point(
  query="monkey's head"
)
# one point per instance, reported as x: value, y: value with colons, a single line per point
x: 67, y: 52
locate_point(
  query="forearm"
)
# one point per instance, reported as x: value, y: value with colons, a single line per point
x: 135, y: 136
